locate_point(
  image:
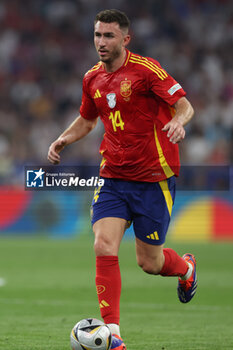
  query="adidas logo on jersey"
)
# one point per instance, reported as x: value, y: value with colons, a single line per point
x: 97, y: 94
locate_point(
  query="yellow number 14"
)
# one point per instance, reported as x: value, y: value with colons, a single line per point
x: 117, y: 121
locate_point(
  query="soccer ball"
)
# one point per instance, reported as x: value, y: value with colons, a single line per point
x: 91, y: 334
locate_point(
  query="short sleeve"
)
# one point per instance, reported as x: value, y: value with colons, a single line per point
x: 164, y: 85
x: 88, y: 108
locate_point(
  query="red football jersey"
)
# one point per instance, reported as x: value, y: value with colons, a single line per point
x: 134, y: 103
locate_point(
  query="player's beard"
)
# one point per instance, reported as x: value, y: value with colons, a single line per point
x: 112, y: 56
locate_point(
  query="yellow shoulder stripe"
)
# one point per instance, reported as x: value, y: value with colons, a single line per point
x: 153, y: 70
x: 150, y: 65
x: 96, y: 67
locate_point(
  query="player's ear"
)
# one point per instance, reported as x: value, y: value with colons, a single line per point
x: 127, y: 39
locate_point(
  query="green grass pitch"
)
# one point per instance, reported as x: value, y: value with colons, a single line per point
x: 50, y: 286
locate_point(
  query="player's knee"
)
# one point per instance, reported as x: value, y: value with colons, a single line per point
x: 103, y: 246
x: 150, y: 269
x: 150, y: 266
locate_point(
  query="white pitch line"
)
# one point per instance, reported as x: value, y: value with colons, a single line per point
x: 133, y: 305
x: 2, y: 282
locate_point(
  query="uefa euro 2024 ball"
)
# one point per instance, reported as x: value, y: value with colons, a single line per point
x: 91, y: 334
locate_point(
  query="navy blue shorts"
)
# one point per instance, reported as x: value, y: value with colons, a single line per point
x: 148, y: 205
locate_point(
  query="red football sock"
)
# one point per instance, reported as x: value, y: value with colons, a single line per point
x: 174, y: 265
x: 108, y: 286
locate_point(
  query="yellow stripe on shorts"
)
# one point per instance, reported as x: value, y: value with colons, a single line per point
x: 167, y: 195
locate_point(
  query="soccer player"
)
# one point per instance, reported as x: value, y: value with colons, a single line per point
x: 144, y: 111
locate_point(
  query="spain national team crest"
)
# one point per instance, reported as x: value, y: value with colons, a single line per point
x: 111, y: 98
x: 126, y: 89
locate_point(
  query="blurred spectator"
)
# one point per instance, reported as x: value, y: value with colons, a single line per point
x: 46, y: 47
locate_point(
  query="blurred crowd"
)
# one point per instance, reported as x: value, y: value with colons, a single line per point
x: 46, y: 46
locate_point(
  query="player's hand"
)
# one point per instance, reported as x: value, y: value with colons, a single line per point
x: 175, y: 131
x: 55, y: 148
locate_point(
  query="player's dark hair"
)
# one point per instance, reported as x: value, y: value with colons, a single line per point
x: 110, y: 16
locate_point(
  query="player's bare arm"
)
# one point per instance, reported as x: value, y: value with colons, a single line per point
x: 77, y: 130
x: 184, y: 113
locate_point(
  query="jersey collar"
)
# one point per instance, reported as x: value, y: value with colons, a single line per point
x: 128, y: 54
